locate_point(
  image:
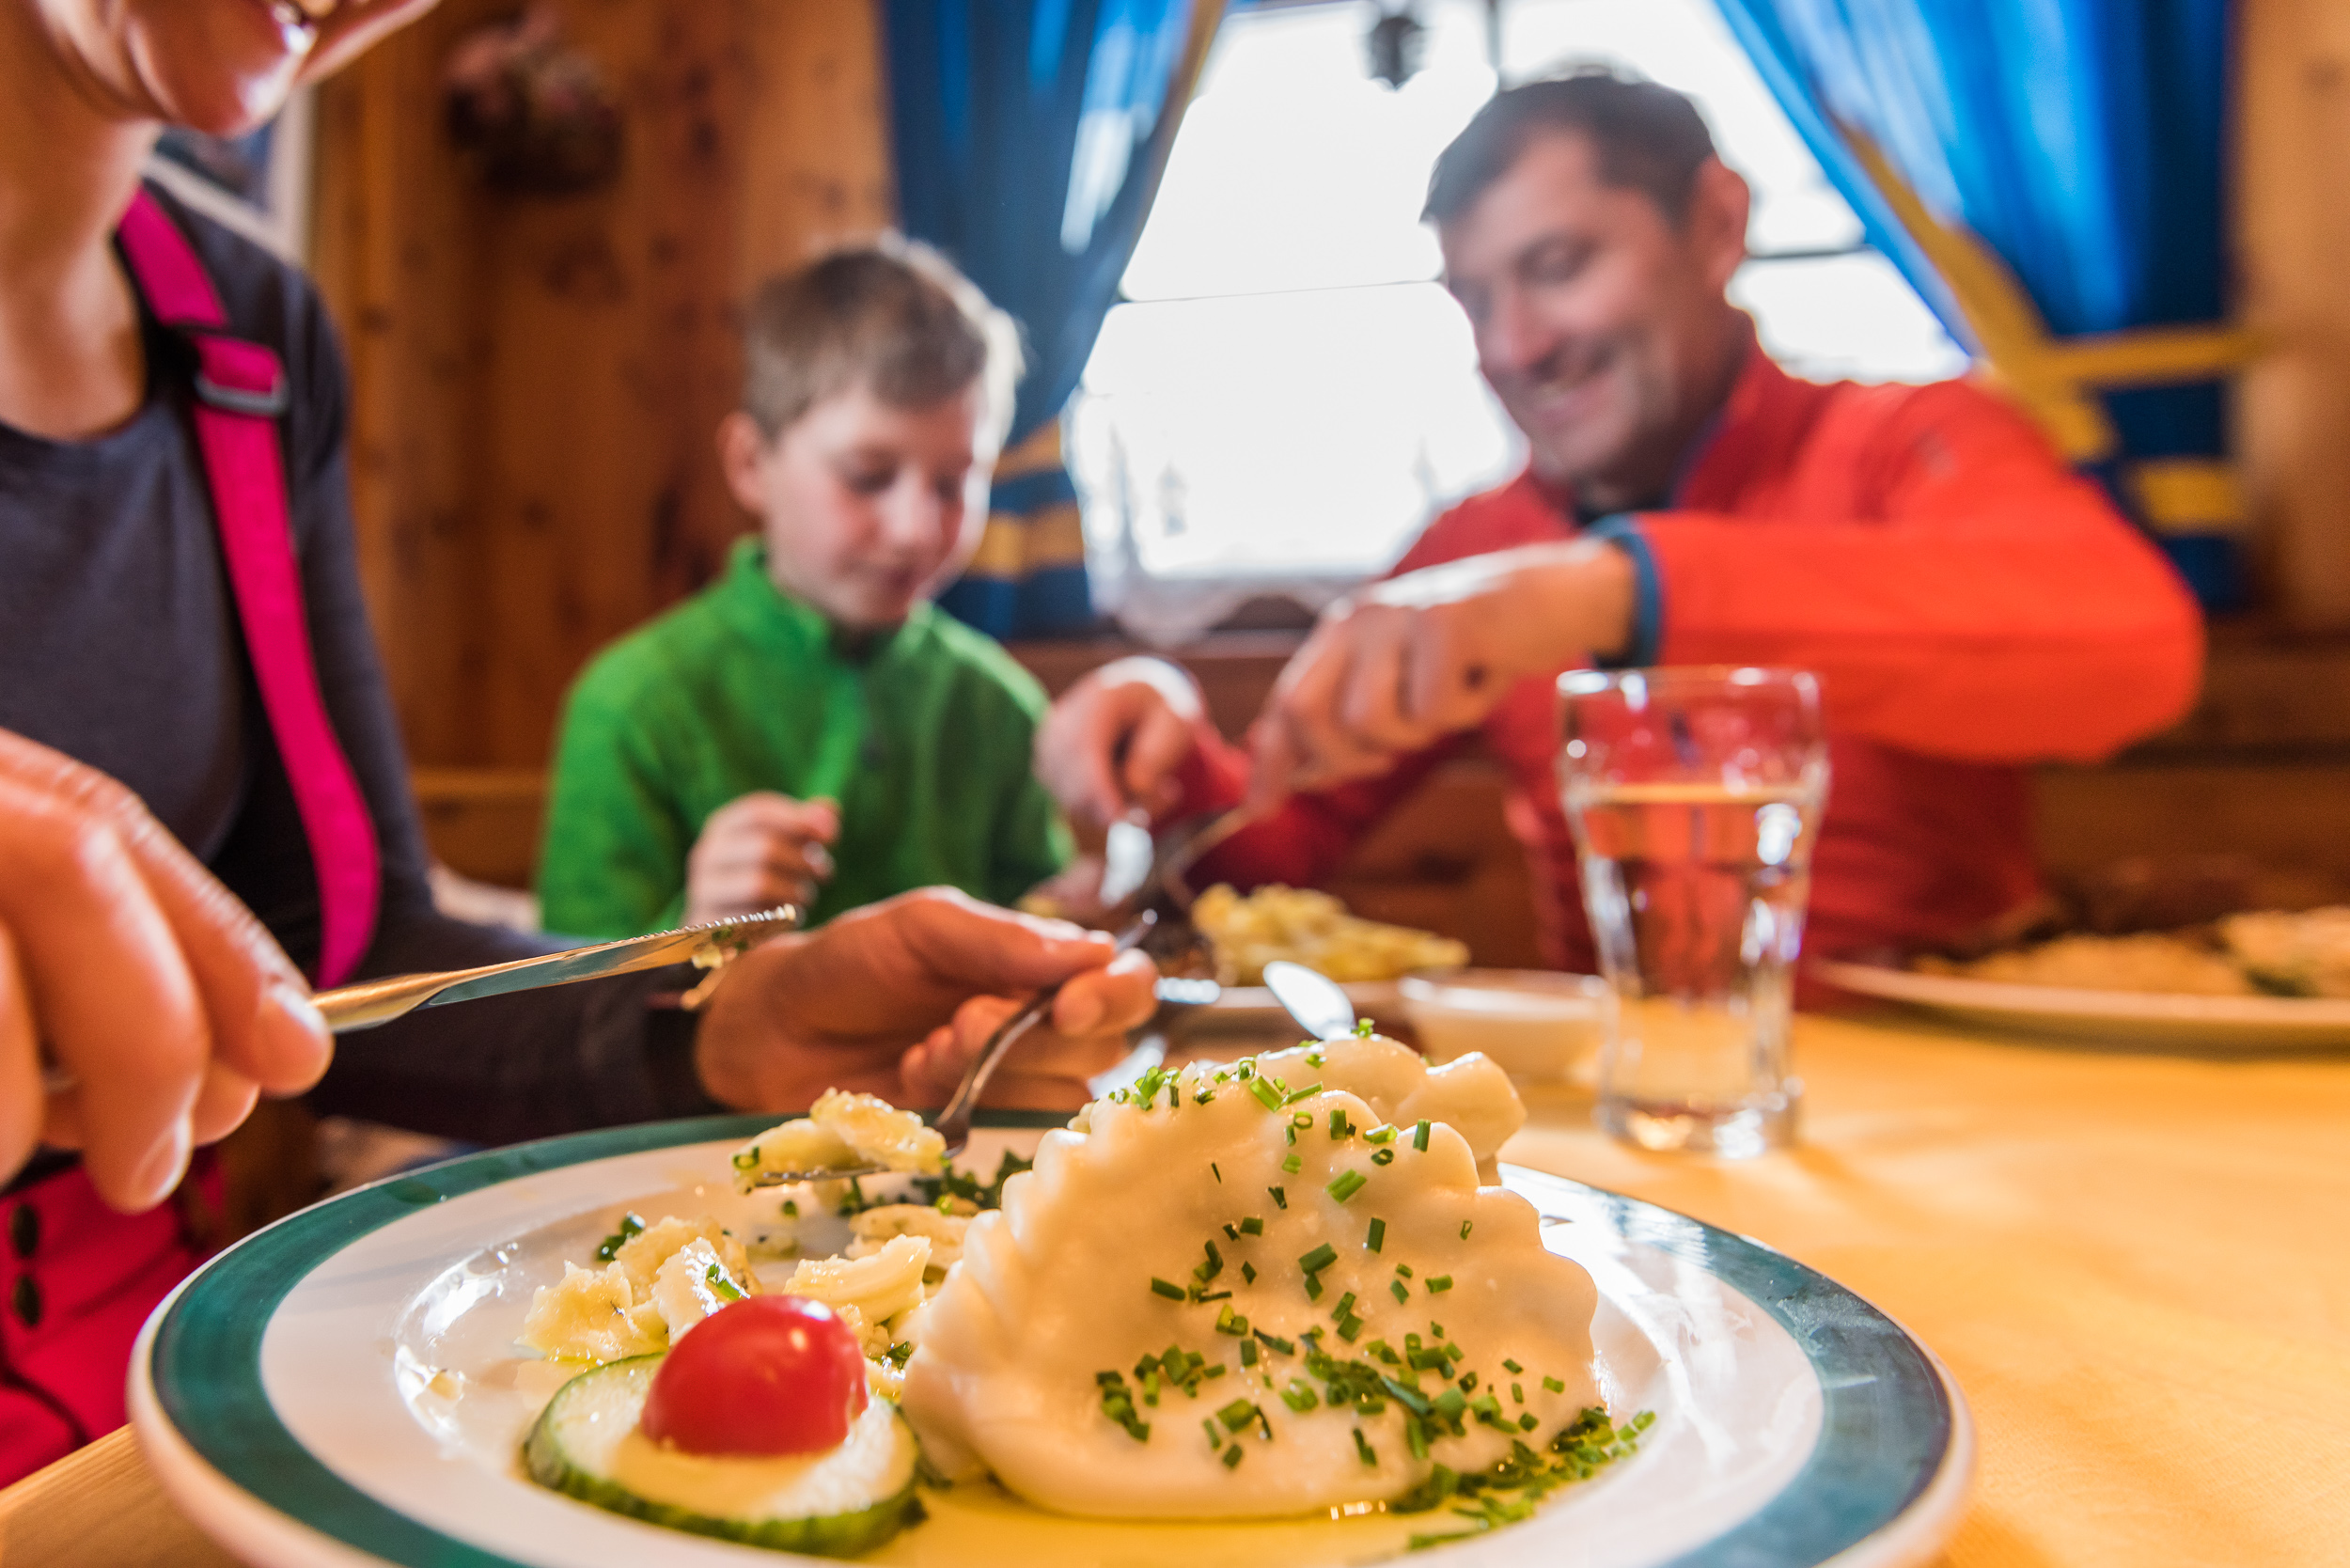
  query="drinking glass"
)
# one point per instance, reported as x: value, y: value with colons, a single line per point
x: 1695, y: 796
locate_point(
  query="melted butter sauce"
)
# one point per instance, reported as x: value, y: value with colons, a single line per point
x: 979, y: 1523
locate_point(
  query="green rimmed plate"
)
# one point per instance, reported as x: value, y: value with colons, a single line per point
x: 342, y: 1389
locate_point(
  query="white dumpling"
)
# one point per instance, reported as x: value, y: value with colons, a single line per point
x: 1069, y: 1283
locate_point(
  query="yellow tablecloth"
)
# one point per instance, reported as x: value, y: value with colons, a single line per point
x: 2136, y: 1266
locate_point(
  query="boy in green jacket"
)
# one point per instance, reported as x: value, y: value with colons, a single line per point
x: 809, y: 728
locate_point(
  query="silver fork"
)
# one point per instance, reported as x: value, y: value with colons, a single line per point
x: 954, y: 1120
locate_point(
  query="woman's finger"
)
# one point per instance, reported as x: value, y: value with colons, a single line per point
x: 226, y: 1099
x: 255, y: 1001
x: 21, y: 1096
x: 113, y: 997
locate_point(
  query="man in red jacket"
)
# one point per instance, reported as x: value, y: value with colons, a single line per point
x: 1970, y: 604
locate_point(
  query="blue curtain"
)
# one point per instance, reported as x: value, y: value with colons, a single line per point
x: 1029, y: 138
x: 2082, y: 141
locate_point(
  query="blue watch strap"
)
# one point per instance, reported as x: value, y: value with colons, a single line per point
x: 1622, y: 530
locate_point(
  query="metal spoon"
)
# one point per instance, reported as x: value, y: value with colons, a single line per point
x: 1312, y: 997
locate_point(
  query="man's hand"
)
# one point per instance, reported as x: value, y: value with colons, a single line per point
x: 757, y: 852
x: 155, y: 995
x: 895, y: 999
x: 1114, y: 740
x: 1418, y: 657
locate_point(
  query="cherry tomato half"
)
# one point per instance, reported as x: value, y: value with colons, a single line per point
x: 768, y: 1375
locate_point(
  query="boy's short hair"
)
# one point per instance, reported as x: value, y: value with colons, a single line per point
x: 893, y: 315
x: 1649, y: 138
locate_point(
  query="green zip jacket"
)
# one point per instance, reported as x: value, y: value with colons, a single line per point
x: 923, y: 736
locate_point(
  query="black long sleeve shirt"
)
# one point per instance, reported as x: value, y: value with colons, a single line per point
x: 119, y: 645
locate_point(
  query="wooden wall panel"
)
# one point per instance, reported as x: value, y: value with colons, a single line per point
x: 537, y: 380
x: 2293, y: 163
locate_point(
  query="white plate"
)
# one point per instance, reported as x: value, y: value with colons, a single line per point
x: 2114, y: 1017
x: 289, y: 1396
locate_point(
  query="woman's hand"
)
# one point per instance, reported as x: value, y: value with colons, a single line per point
x: 895, y: 999
x: 142, y: 1008
x: 759, y: 851
x: 1114, y: 740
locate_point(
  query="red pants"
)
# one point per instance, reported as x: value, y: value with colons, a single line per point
x: 77, y: 1280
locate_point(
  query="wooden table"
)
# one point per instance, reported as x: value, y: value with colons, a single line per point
x: 2136, y: 1266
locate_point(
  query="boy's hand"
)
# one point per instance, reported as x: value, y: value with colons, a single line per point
x: 757, y: 851
x: 895, y: 999
x: 1114, y: 740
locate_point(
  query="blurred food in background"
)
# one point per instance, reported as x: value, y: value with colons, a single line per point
x: 1315, y: 930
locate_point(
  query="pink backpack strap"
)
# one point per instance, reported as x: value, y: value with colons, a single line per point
x: 240, y: 393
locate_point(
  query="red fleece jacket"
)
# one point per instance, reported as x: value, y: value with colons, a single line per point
x: 1970, y: 604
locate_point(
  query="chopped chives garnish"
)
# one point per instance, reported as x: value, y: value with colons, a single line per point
x: 1314, y: 1057
x: 1381, y: 1134
x: 1231, y: 1234
x: 1214, y: 1267
x: 1363, y: 1448
x: 1468, y: 1383
x: 1348, y: 1326
x: 1377, y: 1235
x: 1554, y: 1385
x: 1248, y: 1273
x: 1229, y: 1322
x: 1419, y: 1136
x: 1346, y: 1184
x: 1292, y: 1096
x: 1464, y: 1228
x: 1517, y: 1391
x: 1236, y: 1414
x: 1211, y: 1295
x: 1302, y: 1119
x: 1526, y: 1422
x: 1293, y: 1165
x: 1233, y: 1457
x: 1403, y: 1269
x: 720, y: 1286
x: 790, y: 1208
x: 1438, y: 1284
x: 1382, y: 1156
x: 1313, y: 1287
x: 1252, y: 1225
x: 1451, y: 1403
x: 1216, y: 1434
x: 1160, y: 1287
x: 1290, y: 1135
x: 900, y: 1354
x: 1346, y: 1304
x: 1395, y: 1288
x: 1319, y: 1259
x: 1416, y: 1437
x: 1247, y: 1351
x: 1299, y: 1396
x: 1280, y: 1197
x: 1512, y: 1366
x: 1274, y: 1342
x: 1211, y: 1167
x: 1435, y: 1330
x: 1362, y: 1028
x: 1267, y: 1096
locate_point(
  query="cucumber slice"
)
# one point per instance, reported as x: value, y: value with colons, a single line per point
x: 836, y: 1503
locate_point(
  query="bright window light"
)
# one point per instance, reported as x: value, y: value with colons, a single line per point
x: 1289, y: 395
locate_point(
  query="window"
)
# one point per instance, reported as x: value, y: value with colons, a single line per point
x: 1287, y: 395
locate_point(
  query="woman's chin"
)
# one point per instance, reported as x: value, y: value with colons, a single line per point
x: 232, y: 72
